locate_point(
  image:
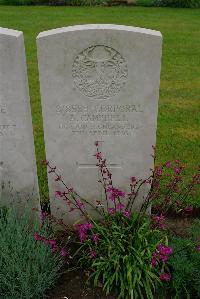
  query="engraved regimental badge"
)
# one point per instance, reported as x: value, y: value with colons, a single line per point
x: 99, y: 72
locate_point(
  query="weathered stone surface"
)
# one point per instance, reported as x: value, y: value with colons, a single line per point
x: 99, y: 83
x: 18, y: 180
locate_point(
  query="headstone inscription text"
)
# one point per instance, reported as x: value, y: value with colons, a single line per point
x: 95, y: 119
x: 98, y: 83
x: 18, y: 178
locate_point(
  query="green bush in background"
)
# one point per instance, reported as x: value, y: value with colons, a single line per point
x: 53, y: 2
x: 27, y: 268
x: 178, y: 3
x: 23, y: 2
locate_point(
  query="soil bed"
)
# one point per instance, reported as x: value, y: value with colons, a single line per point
x: 73, y: 285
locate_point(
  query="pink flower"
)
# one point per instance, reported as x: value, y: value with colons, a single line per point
x: 111, y: 211
x: 63, y: 252
x: 177, y: 170
x: 154, y: 261
x: 126, y: 214
x: 115, y: 193
x: 79, y: 204
x: 161, y: 254
x: 158, y: 222
x: 58, y: 194
x: 82, y: 236
x: 120, y: 206
x: 168, y: 164
x: 158, y: 171
x: 37, y: 237
x: 43, y: 215
x: 164, y: 258
x: 95, y: 238
x: 52, y: 243
x: 93, y: 253
x: 98, y: 155
x: 83, y: 229
x: 164, y: 250
x: 165, y: 276
x: 198, y: 248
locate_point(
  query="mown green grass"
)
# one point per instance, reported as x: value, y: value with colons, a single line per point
x: 178, y: 133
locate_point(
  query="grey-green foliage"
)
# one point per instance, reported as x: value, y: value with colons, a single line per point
x: 178, y: 3
x: 185, y: 265
x: 27, y: 268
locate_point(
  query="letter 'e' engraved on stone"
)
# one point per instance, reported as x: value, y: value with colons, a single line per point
x: 99, y: 72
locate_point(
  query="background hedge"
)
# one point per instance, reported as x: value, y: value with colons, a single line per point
x: 178, y: 3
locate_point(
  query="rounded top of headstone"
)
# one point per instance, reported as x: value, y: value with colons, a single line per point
x: 99, y: 27
x: 10, y: 32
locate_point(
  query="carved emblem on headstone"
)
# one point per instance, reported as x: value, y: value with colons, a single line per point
x: 99, y: 72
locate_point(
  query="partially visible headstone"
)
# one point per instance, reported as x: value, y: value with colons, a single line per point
x: 99, y: 83
x: 18, y: 179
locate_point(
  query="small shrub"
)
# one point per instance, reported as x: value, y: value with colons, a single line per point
x: 84, y: 2
x: 178, y: 3
x: 145, y: 2
x: 119, y: 254
x: 125, y: 250
x: 185, y: 266
x: 23, y: 2
x: 27, y: 268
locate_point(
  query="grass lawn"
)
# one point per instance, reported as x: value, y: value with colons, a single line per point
x: 178, y: 134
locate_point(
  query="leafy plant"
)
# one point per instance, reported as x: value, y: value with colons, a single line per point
x: 178, y: 3
x: 27, y: 268
x: 119, y: 254
x: 127, y: 250
x: 171, y: 189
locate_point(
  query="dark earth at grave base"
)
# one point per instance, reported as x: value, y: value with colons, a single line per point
x: 73, y: 285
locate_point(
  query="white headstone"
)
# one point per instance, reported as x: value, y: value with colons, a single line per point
x: 18, y: 179
x: 99, y: 83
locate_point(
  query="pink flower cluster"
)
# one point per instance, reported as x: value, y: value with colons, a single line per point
x: 93, y: 254
x: 162, y: 253
x: 115, y: 193
x: 83, y: 230
x: 43, y: 215
x: 165, y: 276
x: 119, y: 208
x: 198, y: 248
x: 158, y: 222
x: 52, y: 243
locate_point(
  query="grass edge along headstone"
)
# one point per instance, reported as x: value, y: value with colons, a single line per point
x: 18, y: 174
x: 98, y: 83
